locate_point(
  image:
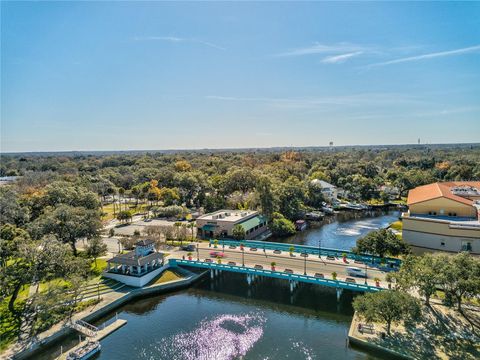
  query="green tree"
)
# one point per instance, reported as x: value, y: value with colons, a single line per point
x: 388, y: 306
x: 124, y: 216
x: 11, y: 210
x: 423, y: 273
x: 381, y: 242
x: 68, y: 224
x: 265, y: 196
x: 281, y: 226
x: 238, y: 232
x: 291, y: 194
x: 96, y: 248
x: 10, y: 238
x: 461, y: 278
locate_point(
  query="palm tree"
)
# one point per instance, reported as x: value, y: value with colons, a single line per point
x: 191, y: 226
x: 121, y: 193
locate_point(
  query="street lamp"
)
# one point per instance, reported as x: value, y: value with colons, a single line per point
x: 305, y: 263
x: 198, y: 255
x: 366, y: 276
x: 320, y: 248
x: 243, y: 256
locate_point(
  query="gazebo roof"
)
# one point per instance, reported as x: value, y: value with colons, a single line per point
x: 130, y: 259
x: 144, y: 242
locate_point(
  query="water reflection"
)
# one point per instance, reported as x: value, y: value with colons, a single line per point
x: 342, y: 230
x: 226, y: 336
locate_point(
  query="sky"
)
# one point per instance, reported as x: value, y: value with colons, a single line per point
x: 172, y: 75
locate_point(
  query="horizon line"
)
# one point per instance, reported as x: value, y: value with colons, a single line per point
x: 236, y: 148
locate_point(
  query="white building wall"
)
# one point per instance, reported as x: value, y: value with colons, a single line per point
x: 434, y: 241
x: 135, y: 281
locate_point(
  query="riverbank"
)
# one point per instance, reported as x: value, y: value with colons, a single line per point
x: 108, y: 303
x: 443, y: 333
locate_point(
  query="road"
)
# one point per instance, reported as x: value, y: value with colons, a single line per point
x: 283, y: 261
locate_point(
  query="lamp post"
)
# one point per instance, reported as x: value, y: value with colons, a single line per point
x: 243, y: 256
x: 198, y: 255
x: 320, y: 248
x: 305, y: 263
x: 366, y: 276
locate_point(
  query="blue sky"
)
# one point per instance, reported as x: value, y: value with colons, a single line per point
x: 132, y: 75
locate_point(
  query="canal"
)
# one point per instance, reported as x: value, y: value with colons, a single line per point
x: 341, y: 230
x: 224, y: 319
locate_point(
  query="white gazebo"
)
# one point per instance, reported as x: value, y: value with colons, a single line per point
x: 138, y: 267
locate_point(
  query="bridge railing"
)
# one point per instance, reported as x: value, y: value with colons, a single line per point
x: 276, y: 274
x: 385, y: 264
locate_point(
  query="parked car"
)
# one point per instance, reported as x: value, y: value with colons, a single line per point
x: 330, y: 257
x: 253, y: 249
x: 217, y: 254
x: 304, y: 254
x: 355, y: 271
x: 350, y: 280
x: 232, y: 263
x: 259, y: 267
x: 288, y: 271
x: 319, y: 276
x: 208, y: 260
x: 232, y: 247
x: 189, y: 247
x: 277, y: 252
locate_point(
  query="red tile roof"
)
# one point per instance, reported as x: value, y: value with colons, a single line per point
x: 439, y: 190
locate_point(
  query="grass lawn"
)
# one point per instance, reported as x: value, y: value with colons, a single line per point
x: 397, y: 225
x: 167, y: 275
x: 108, y: 210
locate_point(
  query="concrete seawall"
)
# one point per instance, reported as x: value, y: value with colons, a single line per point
x: 104, y: 310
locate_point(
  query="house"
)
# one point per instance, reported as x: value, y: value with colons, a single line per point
x: 444, y: 216
x: 138, y: 267
x: 220, y: 224
x: 392, y: 191
x: 328, y: 190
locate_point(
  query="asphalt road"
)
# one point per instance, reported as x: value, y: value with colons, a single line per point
x: 283, y: 261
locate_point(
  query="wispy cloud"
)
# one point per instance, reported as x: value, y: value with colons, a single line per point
x: 318, y: 48
x: 377, y: 99
x: 337, y: 59
x: 174, y: 39
x: 467, y: 50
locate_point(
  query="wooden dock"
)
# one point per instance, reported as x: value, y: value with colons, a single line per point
x: 100, y: 334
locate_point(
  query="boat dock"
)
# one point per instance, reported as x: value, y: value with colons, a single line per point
x: 99, y: 335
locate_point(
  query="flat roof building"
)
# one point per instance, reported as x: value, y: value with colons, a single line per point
x: 444, y: 216
x: 220, y: 224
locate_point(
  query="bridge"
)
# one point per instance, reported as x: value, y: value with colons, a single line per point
x: 293, y: 278
x: 384, y: 264
x: 84, y: 328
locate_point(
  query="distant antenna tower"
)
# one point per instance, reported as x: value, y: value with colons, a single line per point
x: 331, y: 143
x: 418, y: 141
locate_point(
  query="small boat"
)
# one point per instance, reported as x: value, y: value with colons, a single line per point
x: 328, y: 210
x: 314, y: 216
x: 300, y: 225
x: 85, y: 352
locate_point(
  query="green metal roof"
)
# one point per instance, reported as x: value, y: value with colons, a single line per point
x: 251, y: 223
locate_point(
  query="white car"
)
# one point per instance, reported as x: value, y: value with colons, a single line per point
x: 355, y: 271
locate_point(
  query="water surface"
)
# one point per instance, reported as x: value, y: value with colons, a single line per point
x: 342, y: 230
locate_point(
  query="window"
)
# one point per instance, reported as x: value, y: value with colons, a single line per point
x: 466, y: 246
x: 442, y: 244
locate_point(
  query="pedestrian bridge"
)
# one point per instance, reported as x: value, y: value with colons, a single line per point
x: 384, y: 264
x: 293, y: 278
